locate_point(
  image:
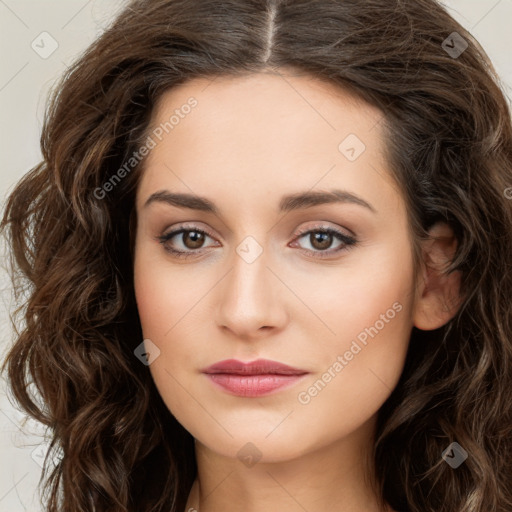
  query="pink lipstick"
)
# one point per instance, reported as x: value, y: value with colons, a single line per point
x: 256, y: 378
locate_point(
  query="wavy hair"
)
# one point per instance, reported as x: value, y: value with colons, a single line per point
x: 449, y: 145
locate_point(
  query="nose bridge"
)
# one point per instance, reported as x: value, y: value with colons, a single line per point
x: 249, y: 297
x: 250, y: 280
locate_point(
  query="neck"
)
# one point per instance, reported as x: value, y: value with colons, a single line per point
x: 333, y: 477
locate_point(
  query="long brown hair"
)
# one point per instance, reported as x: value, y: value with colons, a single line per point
x: 449, y: 145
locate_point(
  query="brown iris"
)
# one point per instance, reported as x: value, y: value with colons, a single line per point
x: 320, y: 240
x: 196, y: 239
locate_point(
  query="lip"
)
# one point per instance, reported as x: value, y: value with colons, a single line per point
x: 257, y: 367
x: 252, y: 379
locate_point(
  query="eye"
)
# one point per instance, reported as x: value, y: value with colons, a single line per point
x: 188, y: 239
x: 320, y: 239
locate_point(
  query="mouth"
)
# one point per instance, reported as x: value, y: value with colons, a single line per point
x: 256, y: 378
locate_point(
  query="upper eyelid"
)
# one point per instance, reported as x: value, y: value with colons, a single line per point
x: 317, y: 227
x: 182, y: 228
x: 325, y: 227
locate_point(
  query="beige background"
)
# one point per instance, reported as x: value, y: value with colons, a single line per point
x: 25, y: 79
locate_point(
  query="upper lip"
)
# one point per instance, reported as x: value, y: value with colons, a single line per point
x: 257, y: 367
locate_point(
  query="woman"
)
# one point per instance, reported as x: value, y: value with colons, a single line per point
x: 269, y: 250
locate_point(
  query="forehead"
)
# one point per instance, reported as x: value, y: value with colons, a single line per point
x: 270, y: 100
x: 264, y: 132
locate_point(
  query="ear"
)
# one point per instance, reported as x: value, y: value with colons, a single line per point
x: 437, y: 293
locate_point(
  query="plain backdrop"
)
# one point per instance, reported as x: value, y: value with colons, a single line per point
x: 38, y: 42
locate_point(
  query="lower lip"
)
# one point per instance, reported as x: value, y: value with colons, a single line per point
x: 252, y: 385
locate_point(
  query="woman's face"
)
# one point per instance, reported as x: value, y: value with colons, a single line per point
x: 297, y: 251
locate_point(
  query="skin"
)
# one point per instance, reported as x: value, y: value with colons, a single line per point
x: 248, y: 142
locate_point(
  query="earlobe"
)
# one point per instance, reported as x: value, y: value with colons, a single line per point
x: 438, y: 298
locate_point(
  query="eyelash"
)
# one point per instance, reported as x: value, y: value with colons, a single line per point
x: 348, y: 241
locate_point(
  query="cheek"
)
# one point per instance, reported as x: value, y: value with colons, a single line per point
x: 164, y: 295
x: 161, y: 302
x: 354, y: 295
x: 361, y: 364
x: 368, y: 308
x: 169, y: 307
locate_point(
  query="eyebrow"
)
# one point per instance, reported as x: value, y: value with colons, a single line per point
x: 297, y: 201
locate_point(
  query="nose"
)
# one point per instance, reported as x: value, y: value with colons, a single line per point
x: 251, y: 302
